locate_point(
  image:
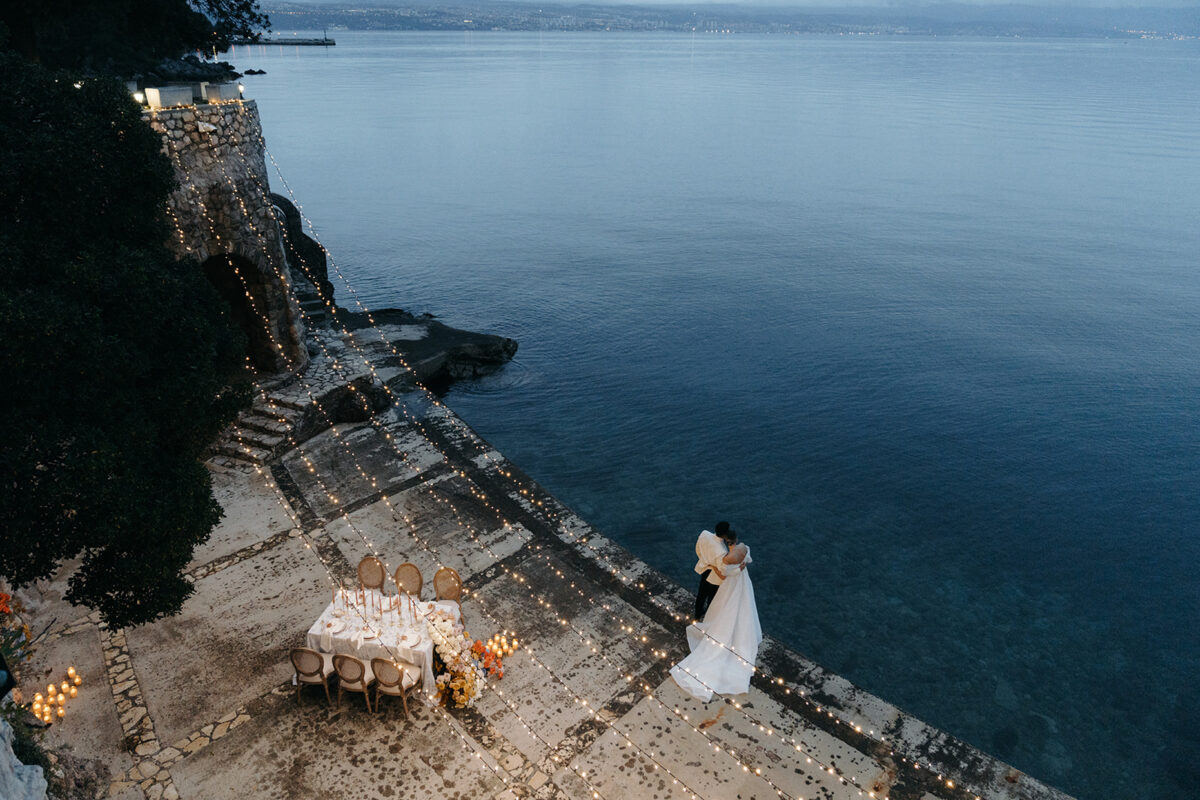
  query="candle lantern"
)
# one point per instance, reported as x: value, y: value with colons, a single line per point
x: 71, y: 671
x: 78, y: 680
x: 74, y: 692
x: 63, y: 688
x: 62, y: 712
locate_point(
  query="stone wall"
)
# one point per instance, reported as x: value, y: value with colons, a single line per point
x: 222, y: 216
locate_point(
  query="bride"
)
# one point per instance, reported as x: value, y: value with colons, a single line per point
x: 725, y: 645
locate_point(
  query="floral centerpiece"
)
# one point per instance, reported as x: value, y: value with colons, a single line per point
x: 489, y: 659
x: 460, y: 679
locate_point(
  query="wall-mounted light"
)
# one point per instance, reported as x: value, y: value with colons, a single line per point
x: 241, y: 91
x: 140, y: 97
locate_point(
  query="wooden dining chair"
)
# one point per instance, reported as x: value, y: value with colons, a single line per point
x: 395, y: 677
x: 408, y: 579
x: 448, y: 586
x: 312, y: 669
x: 371, y: 573
x: 353, y: 676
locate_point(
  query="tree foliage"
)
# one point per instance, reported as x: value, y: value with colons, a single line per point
x: 121, y: 362
x: 122, y: 37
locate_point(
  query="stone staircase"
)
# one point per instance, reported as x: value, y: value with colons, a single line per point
x: 260, y: 432
x: 315, y: 313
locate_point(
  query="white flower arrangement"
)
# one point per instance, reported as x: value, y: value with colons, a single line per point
x: 460, y: 678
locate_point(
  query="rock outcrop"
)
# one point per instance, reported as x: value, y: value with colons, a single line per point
x: 18, y: 781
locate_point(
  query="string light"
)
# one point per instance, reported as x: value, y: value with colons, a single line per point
x: 334, y: 583
x: 330, y: 573
x: 548, y: 512
x: 487, y: 455
x: 372, y: 547
x: 437, y: 404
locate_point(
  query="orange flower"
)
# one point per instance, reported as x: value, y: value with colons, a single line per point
x: 5, y: 608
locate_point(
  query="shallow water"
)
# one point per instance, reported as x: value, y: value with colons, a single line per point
x: 917, y: 316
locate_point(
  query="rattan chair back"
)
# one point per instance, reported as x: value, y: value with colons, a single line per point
x: 308, y: 663
x: 447, y: 585
x: 396, y: 678
x: 312, y: 669
x: 387, y: 672
x: 350, y: 670
x: 409, y: 580
x: 353, y: 676
x: 371, y: 573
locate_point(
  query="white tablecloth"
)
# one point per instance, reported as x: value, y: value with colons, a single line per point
x: 361, y: 631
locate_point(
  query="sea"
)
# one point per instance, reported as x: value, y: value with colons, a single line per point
x: 920, y: 317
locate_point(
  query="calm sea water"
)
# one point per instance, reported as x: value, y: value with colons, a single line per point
x: 920, y: 317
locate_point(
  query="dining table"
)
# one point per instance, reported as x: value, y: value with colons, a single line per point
x: 368, y: 624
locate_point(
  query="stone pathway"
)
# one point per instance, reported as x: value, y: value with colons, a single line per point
x: 201, y: 706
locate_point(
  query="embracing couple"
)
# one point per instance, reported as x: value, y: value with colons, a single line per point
x: 725, y: 638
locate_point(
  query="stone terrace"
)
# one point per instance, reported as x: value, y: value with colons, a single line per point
x: 201, y: 706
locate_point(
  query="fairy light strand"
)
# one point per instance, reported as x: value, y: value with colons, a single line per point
x: 335, y: 583
x: 487, y: 455
x: 370, y: 369
x: 333, y: 499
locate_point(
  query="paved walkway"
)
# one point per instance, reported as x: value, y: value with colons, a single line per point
x: 200, y: 706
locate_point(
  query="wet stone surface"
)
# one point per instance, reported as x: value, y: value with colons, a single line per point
x: 201, y: 705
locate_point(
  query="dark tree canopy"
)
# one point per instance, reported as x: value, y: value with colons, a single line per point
x: 121, y: 363
x: 124, y: 37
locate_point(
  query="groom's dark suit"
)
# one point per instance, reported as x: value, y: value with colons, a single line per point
x: 710, y: 549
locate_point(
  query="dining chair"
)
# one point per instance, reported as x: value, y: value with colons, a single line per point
x: 353, y: 676
x: 395, y: 677
x: 312, y: 669
x: 448, y: 586
x: 408, y: 579
x: 371, y: 573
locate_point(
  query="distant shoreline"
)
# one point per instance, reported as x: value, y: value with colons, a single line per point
x: 1005, y: 21
x: 287, y: 42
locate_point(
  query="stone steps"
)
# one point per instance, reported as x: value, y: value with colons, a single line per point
x: 238, y: 451
x: 270, y: 425
x: 276, y: 412
x: 262, y: 431
x: 279, y: 402
x: 255, y: 438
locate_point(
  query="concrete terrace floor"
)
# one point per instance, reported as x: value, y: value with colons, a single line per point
x: 201, y: 707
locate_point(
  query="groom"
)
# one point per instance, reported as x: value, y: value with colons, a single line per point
x: 710, y: 549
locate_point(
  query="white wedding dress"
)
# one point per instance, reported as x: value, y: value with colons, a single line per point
x: 725, y: 645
